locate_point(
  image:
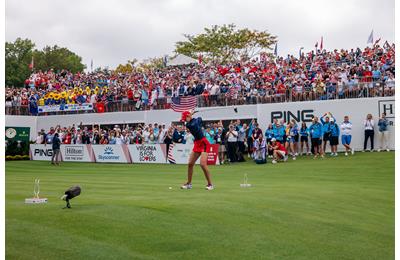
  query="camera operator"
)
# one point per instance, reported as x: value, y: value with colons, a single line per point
x: 231, y: 137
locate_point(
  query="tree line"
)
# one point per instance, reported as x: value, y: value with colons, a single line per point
x: 21, y: 58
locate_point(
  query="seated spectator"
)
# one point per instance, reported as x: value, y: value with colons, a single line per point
x: 279, y: 151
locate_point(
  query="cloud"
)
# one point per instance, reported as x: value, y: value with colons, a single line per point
x: 111, y: 32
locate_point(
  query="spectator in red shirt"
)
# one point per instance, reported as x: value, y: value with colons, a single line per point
x: 279, y: 151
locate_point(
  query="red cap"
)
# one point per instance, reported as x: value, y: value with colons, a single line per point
x: 184, y: 115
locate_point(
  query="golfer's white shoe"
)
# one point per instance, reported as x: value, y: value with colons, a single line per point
x: 63, y: 197
x: 209, y: 187
x: 273, y: 161
x: 352, y: 151
x: 186, y: 186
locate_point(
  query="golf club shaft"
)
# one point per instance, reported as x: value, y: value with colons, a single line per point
x: 213, y: 109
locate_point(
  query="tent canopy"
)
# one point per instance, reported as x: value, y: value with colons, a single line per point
x: 181, y: 59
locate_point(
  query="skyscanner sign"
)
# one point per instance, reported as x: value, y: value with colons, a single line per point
x: 111, y: 153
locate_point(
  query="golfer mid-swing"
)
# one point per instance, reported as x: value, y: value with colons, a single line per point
x: 201, y: 149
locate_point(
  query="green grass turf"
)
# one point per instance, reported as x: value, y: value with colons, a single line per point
x: 336, y: 208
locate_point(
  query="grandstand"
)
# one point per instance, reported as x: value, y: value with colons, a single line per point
x: 320, y: 75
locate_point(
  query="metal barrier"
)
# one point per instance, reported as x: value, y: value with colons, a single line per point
x: 360, y: 90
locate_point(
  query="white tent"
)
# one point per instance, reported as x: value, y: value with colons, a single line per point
x: 181, y: 59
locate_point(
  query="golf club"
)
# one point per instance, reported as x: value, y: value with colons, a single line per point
x: 215, y: 109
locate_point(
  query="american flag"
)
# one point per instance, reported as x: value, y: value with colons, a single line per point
x: 180, y: 104
x: 232, y: 91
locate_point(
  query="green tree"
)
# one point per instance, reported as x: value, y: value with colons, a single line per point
x: 226, y: 43
x: 18, y: 56
x: 126, y: 68
x: 151, y: 63
x: 57, y: 58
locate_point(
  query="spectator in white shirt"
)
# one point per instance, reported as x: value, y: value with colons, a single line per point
x: 231, y: 137
x: 39, y: 138
x: 369, y: 132
x: 118, y: 139
x: 345, y: 128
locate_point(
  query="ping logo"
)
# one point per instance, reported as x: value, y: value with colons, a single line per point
x: 43, y: 152
x: 304, y: 115
x: 387, y: 107
x: 108, y: 150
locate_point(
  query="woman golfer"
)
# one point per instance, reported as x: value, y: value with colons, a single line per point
x: 200, y: 149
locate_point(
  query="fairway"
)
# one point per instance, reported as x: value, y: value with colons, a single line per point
x: 336, y: 208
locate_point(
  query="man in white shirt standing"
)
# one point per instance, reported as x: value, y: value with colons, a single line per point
x: 231, y: 137
x: 345, y: 128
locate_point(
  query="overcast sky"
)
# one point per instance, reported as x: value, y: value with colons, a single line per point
x: 111, y: 32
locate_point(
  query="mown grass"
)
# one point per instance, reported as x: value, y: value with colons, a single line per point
x: 337, y: 208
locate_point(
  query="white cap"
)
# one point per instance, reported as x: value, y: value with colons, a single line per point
x: 331, y: 120
x: 273, y: 140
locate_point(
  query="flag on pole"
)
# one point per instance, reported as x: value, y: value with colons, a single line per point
x: 165, y: 60
x: 321, y: 46
x: 180, y: 104
x: 300, y: 51
x: 276, y: 49
x: 371, y: 37
x: 31, y: 65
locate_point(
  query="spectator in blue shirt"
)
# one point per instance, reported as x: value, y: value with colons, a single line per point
x: 209, y: 135
x: 315, y: 130
x: 269, y: 134
x: 333, y: 136
x: 250, y: 142
x: 178, y: 136
x: 376, y: 73
x: 304, y: 138
x: 325, y: 128
x: 383, y: 132
x: 279, y: 132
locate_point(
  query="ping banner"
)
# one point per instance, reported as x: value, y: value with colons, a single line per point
x: 179, y: 154
x: 77, y: 153
x: 65, y: 107
x: 40, y: 152
x: 148, y: 153
x: 111, y: 153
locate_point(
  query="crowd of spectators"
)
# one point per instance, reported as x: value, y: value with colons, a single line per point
x: 279, y: 141
x: 316, y: 75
